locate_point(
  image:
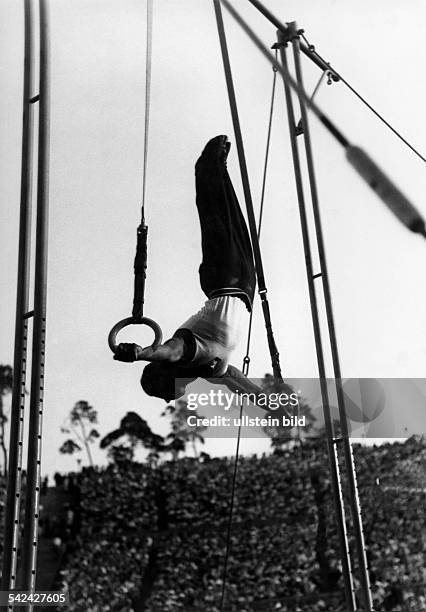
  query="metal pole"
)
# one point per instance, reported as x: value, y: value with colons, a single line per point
x: 40, y: 294
x: 350, y: 468
x: 334, y: 468
x: 262, y: 290
x: 13, y: 498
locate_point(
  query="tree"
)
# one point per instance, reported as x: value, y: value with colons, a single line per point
x: 6, y: 382
x: 137, y: 431
x: 77, y: 424
x: 181, y: 430
x: 70, y: 447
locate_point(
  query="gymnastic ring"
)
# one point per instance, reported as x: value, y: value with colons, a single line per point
x: 133, y: 321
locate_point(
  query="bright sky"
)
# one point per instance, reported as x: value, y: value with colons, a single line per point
x: 376, y: 266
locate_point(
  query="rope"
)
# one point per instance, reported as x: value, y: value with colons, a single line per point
x: 299, y: 127
x: 318, y: 85
x: 246, y: 360
x: 231, y: 513
x: 262, y: 290
x: 149, y: 12
x: 367, y: 104
x: 268, y: 142
x: 140, y: 262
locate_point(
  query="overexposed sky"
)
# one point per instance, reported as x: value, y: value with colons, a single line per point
x: 377, y: 268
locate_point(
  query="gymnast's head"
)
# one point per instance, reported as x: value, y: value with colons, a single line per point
x: 165, y: 380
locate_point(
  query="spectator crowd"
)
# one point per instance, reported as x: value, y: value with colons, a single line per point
x: 155, y: 538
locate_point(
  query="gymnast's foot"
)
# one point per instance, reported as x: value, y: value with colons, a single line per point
x: 216, y: 149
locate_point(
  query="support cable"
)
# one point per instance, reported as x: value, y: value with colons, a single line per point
x: 299, y: 127
x: 231, y: 515
x: 366, y: 103
x: 246, y: 360
x: 268, y: 143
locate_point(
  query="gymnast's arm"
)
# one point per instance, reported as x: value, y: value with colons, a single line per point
x: 171, y: 351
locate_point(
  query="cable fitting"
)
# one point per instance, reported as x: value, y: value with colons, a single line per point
x: 279, y: 45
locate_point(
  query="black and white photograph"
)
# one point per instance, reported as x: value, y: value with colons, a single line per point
x: 213, y: 330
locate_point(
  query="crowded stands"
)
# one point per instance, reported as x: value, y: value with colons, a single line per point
x: 155, y: 538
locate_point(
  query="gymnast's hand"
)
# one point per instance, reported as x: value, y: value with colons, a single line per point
x: 128, y: 352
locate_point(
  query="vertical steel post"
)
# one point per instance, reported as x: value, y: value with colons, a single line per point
x: 30, y: 539
x: 334, y: 467
x: 13, y: 498
x: 262, y: 290
x: 347, y: 449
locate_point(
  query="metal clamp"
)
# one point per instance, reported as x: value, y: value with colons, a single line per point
x: 135, y: 321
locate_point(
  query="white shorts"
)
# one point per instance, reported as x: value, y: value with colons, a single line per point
x: 216, y: 328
